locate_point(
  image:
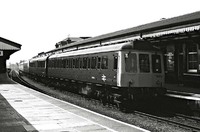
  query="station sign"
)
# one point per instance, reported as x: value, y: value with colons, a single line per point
x: 1, y: 52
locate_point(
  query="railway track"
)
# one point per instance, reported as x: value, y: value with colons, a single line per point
x: 188, y: 125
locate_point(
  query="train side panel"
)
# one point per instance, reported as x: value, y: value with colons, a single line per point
x: 99, y: 73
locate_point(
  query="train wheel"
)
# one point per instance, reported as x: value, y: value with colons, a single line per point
x: 103, y: 99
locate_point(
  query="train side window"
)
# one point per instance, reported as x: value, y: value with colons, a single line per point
x: 99, y: 63
x: 67, y: 63
x: 77, y: 63
x: 104, y: 63
x: 144, y: 63
x: 156, y: 63
x: 60, y: 63
x: 54, y: 63
x: 81, y: 63
x: 70, y: 63
x: 63, y: 63
x: 89, y: 63
x: 115, y: 62
x: 131, y: 62
x: 84, y: 63
x: 94, y: 62
x: 74, y: 63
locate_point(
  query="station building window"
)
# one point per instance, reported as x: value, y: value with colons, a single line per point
x: 170, y: 58
x: 192, y: 58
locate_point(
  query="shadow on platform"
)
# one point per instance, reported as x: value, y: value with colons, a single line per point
x: 11, y: 120
x: 4, y: 79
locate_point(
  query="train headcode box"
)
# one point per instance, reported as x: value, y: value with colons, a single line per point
x: 1, y: 53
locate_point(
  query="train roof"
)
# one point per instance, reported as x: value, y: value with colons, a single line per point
x: 158, y: 25
x: 109, y: 48
x: 101, y: 49
x: 42, y: 58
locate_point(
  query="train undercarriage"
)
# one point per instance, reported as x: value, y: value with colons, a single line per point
x: 123, y: 98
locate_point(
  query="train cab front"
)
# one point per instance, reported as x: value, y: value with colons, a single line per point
x: 142, y: 73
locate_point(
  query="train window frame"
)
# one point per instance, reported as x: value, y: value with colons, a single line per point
x: 131, y: 62
x: 144, y: 68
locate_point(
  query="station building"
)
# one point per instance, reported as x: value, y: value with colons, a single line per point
x: 7, y: 48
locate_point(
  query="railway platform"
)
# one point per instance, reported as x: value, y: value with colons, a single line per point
x: 23, y: 109
x: 180, y: 88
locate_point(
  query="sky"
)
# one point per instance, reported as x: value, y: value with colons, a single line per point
x: 39, y: 24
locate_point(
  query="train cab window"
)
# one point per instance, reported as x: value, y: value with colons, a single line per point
x: 99, y: 63
x: 94, y: 62
x: 104, y: 63
x: 156, y: 63
x: 144, y: 63
x: 115, y: 62
x: 131, y: 62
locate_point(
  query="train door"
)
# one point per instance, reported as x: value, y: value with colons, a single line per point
x: 174, y: 63
x: 170, y: 68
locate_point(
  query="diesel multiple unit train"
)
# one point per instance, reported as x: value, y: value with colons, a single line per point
x: 122, y: 73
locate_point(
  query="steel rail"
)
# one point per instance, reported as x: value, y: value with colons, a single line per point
x: 180, y: 124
